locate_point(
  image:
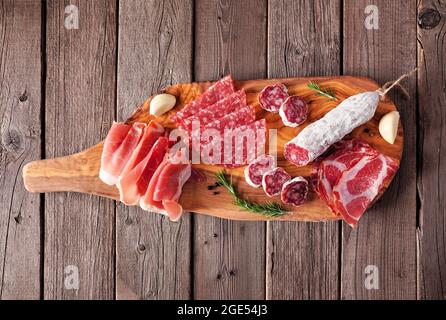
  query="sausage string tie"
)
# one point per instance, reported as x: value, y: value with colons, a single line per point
x: 389, y: 85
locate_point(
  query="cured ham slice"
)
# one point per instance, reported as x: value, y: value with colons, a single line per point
x: 151, y: 133
x: 216, y: 111
x: 327, y: 171
x: 166, y: 185
x: 134, y: 184
x: 119, y: 145
x: 359, y: 186
x: 173, y: 209
x: 147, y: 203
x: 350, y: 177
x: 169, y: 186
x: 219, y: 90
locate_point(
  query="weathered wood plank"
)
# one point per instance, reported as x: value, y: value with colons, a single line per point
x: 385, y: 237
x: 229, y: 256
x: 80, y: 91
x: 155, y: 50
x: 432, y: 165
x: 20, y: 111
x: 303, y: 258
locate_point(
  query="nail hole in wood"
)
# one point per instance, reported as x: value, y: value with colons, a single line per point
x: 23, y: 97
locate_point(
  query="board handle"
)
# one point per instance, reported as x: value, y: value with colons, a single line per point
x: 77, y: 172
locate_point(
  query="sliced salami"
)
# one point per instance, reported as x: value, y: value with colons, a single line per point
x: 237, y: 147
x: 274, y: 180
x: 240, y: 117
x: 272, y: 97
x: 229, y: 104
x: 293, y: 111
x: 295, y: 191
x: 216, y: 92
x: 248, y: 142
x: 255, y: 170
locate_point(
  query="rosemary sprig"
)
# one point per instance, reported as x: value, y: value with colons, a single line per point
x: 328, y: 93
x: 269, y: 209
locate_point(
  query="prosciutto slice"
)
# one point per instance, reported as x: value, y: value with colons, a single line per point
x: 166, y: 185
x: 119, y: 145
x: 169, y: 186
x: 134, y: 184
x: 151, y: 134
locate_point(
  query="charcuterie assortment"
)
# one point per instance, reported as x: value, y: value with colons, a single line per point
x: 307, y: 149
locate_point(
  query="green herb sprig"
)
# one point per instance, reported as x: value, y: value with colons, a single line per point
x: 328, y: 93
x: 269, y: 209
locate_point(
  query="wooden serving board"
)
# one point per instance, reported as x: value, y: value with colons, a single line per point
x: 79, y: 172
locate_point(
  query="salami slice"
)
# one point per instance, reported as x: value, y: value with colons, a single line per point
x: 295, y: 191
x: 293, y: 111
x: 240, y: 117
x: 237, y: 147
x: 272, y: 97
x: 248, y: 142
x: 216, y: 92
x: 255, y: 170
x: 274, y: 180
x: 229, y: 104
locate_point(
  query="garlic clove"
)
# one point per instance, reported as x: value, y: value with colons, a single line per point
x: 162, y: 103
x: 388, y: 126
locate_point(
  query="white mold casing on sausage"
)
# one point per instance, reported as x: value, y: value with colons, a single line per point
x: 317, y: 137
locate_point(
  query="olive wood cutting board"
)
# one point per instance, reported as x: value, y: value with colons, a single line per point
x: 79, y: 172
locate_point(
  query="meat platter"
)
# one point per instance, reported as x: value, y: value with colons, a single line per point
x: 203, y: 195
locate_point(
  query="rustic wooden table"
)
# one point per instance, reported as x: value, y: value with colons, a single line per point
x: 62, y: 83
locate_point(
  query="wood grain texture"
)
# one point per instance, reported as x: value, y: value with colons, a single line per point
x: 20, y: 111
x: 302, y: 259
x: 385, y: 237
x: 432, y: 152
x: 79, y: 172
x: 80, y: 90
x: 229, y: 257
x: 155, y: 50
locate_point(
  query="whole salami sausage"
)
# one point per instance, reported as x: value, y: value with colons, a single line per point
x: 274, y: 180
x: 272, y: 97
x: 295, y: 191
x: 317, y: 137
x: 293, y: 111
x: 255, y: 170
